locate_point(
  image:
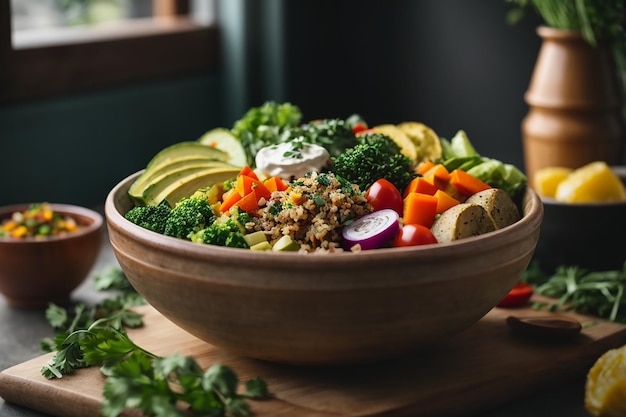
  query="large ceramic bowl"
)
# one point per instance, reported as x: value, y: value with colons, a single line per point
x: 322, y: 308
x: 34, y: 271
x: 589, y: 235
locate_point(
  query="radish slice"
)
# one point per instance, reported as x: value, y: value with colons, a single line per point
x: 372, y: 230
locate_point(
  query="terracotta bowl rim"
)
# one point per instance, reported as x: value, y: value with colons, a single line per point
x: 94, y: 224
x: 530, y: 222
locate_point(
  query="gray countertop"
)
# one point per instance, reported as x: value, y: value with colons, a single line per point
x: 22, y: 330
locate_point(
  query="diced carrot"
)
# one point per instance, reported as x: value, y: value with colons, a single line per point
x: 248, y: 203
x: 229, y: 199
x: 275, y: 184
x: 465, y: 183
x: 444, y: 201
x: 244, y: 184
x: 438, y: 175
x: 261, y: 191
x: 423, y: 167
x: 420, y: 185
x: 420, y: 209
x: 247, y: 185
x: 280, y: 184
x: 249, y: 172
x: 270, y: 184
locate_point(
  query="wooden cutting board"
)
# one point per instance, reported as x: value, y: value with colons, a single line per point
x: 481, y: 368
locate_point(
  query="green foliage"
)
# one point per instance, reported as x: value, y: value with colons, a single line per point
x: 150, y: 217
x: 335, y: 135
x: 157, y: 385
x: 273, y: 123
x: 376, y: 156
x: 135, y: 377
x: 264, y: 125
x: 600, y: 293
x: 221, y: 233
x: 189, y: 215
x: 114, y: 312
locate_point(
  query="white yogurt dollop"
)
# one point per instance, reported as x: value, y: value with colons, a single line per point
x: 291, y: 159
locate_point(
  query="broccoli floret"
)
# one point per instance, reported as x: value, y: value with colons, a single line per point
x: 239, y: 218
x: 150, y: 217
x: 376, y: 156
x: 189, y: 215
x: 221, y: 234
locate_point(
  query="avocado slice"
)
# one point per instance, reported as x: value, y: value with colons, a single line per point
x: 181, y: 167
x: 224, y: 140
x: 183, y: 150
x: 183, y: 184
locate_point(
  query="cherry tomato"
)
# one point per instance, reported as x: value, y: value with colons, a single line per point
x: 413, y: 235
x: 359, y: 127
x: 383, y: 194
x: 517, y: 296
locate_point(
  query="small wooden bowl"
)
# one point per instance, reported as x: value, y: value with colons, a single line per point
x: 34, y: 271
x: 322, y: 309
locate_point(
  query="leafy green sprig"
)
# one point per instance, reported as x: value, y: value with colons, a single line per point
x: 172, y: 386
x: 600, y: 293
x: 114, y: 312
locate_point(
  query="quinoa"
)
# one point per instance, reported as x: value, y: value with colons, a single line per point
x: 312, y: 211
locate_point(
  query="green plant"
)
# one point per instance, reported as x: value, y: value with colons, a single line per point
x: 594, y: 19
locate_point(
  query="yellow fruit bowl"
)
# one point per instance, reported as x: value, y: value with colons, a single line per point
x: 579, y: 229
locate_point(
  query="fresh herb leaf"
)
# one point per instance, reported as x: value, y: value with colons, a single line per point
x: 136, y: 378
x: 600, y: 293
x: 112, y: 278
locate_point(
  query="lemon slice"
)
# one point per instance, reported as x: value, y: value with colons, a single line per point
x: 591, y: 183
x: 402, y: 140
x: 605, y: 388
x: 545, y: 180
x: 224, y: 140
x: 425, y: 139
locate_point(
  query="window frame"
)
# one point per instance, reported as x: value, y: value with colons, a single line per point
x: 171, y: 45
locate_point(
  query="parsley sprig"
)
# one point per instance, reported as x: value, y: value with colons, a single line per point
x: 172, y: 386
x: 600, y: 293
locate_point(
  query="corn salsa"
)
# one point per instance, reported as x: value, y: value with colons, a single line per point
x: 38, y: 220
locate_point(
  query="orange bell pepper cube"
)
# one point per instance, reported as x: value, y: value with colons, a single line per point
x: 246, y: 185
x: 423, y: 167
x: 275, y: 184
x: 420, y: 185
x: 444, y: 201
x: 248, y: 203
x: 438, y: 175
x: 229, y: 199
x: 420, y: 209
x: 248, y: 172
x: 466, y: 184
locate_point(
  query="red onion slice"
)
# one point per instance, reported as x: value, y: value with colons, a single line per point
x: 371, y: 231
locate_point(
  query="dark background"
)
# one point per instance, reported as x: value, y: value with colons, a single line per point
x: 451, y: 64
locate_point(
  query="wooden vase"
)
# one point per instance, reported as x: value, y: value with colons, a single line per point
x: 575, y: 101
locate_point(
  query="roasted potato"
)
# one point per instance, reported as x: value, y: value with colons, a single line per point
x: 461, y: 221
x: 499, y: 205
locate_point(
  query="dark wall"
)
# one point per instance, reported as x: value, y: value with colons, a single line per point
x: 74, y: 149
x: 451, y: 64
